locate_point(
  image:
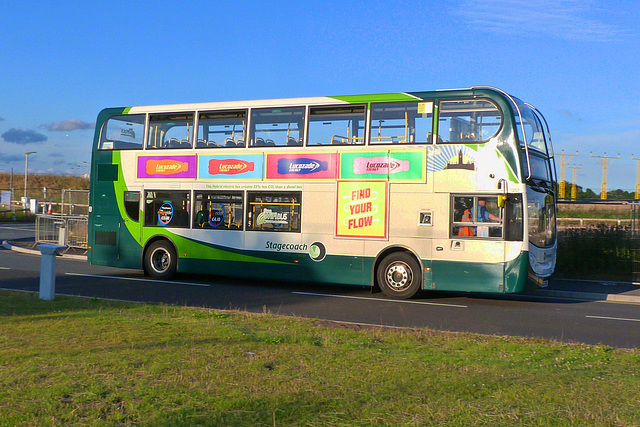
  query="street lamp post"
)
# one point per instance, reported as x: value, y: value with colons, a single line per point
x: 26, y: 168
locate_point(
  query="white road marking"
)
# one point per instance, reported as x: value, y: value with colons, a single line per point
x: 21, y: 228
x: 379, y: 300
x: 5, y: 268
x: 134, y: 279
x: 613, y: 318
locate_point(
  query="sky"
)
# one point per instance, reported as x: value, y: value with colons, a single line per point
x: 62, y: 62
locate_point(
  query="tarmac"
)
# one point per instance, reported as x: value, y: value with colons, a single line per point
x: 585, y: 290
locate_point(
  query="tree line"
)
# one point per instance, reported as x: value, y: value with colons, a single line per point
x: 39, y: 181
x: 587, y: 193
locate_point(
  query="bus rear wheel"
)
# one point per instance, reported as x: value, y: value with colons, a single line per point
x: 399, y: 275
x: 161, y: 260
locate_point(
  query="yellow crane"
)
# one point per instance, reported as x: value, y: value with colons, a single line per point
x: 562, y: 187
x: 574, y: 186
x: 605, y: 166
x: 637, y: 176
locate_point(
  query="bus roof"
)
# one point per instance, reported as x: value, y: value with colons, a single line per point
x: 327, y: 100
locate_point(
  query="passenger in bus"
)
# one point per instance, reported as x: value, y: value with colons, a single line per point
x: 483, y: 216
x: 467, y: 216
x: 201, y: 217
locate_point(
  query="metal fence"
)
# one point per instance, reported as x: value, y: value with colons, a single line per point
x: 599, y: 238
x: 64, y: 230
x: 52, y: 200
x: 75, y: 202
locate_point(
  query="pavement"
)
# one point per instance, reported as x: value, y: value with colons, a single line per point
x: 29, y: 246
x: 586, y: 290
x: 592, y: 290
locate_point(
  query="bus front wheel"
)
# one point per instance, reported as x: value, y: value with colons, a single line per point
x: 399, y: 275
x: 161, y: 260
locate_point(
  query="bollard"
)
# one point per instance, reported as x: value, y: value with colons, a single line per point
x: 62, y: 236
x: 48, y: 270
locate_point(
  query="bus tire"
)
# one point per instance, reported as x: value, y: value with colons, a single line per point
x: 399, y: 275
x: 161, y: 260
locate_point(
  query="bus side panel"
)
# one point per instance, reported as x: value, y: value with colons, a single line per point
x: 129, y: 250
x: 333, y: 269
x: 515, y: 274
x: 103, y: 240
x: 502, y: 277
x: 114, y: 245
x: 468, y: 276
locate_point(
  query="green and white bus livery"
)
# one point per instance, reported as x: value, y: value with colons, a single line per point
x: 444, y: 190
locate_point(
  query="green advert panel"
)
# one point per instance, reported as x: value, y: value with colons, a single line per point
x: 397, y: 166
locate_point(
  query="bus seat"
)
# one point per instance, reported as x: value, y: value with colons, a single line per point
x: 172, y: 143
x: 230, y: 142
x: 259, y: 142
x: 270, y: 142
x: 201, y: 218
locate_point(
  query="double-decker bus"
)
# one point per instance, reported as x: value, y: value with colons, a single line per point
x: 443, y: 190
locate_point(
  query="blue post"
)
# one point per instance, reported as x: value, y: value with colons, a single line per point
x: 48, y: 270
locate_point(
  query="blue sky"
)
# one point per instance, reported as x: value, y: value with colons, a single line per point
x: 62, y: 62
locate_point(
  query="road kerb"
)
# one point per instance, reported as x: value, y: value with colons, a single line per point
x: 36, y: 252
x: 590, y: 296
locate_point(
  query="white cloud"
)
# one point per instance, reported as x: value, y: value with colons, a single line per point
x: 69, y: 125
x: 571, y: 20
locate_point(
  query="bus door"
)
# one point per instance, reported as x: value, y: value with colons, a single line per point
x: 129, y: 250
x: 116, y: 234
x: 469, y: 252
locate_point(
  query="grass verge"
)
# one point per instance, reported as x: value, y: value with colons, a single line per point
x: 80, y: 361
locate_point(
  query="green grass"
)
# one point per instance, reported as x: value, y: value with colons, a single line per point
x: 595, y: 214
x: 6, y: 215
x: 92, y: 362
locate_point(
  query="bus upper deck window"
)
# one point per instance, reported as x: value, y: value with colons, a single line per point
x: 401, y: 122
x: 222, y: 129
x: 277, y: 126
x: 122, y: 133
x: 170, y: 131
x: 475, y: 120
x: 336, y: 125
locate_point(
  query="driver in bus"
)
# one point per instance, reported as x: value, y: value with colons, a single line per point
x: 483, y: 213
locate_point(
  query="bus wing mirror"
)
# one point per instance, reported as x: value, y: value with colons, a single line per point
x: 501, y: 201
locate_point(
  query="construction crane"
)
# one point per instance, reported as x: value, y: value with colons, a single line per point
x: 637, y: 176
x: 574, y: 187
x: 562, y: 187
x: 605, y: 166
